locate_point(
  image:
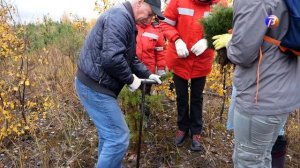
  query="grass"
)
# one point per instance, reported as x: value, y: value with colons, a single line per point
x: 67, y: 137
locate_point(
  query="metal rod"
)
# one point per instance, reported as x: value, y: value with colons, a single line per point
x: 144, y: 83
x: 141, y: 124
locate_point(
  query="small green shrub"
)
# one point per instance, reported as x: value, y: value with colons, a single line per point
x: 219, y: 21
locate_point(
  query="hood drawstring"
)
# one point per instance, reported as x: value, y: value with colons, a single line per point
x: 258, y: 74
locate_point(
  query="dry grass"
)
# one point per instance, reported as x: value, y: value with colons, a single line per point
x: 67, y: 137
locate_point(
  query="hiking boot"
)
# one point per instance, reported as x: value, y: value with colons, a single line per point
x: 196, y: 144
x: 179, y: 139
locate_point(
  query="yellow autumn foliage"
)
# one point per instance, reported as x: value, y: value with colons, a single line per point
x: 19, y: 111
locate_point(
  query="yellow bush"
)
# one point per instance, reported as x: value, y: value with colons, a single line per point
x: 19, y: 110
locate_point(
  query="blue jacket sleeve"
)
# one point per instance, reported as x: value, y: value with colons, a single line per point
x: 139, y: 68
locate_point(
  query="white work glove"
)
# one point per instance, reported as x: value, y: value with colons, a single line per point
x: 181, y: 49
x: 161, y: 72
x: 199, y: 47
x: 135, y: 84
x: 155, y: 78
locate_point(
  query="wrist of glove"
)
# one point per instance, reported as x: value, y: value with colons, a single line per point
x: 156, y: 78
x: 181, y: 49
x: 199, y: 47
x: 135, y: 84
x: 221, y: 41
x: 161, y: 72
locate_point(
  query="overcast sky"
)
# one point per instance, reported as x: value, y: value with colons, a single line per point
x: 30, y: 10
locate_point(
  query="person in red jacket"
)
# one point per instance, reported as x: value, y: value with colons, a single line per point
x: 189, y: 59
x: 150, y: 48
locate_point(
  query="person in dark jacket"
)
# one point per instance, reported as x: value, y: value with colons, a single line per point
x: 107, y: 62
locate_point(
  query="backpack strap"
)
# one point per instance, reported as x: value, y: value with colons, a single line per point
x: 283, y: 49
x: 277, y: 43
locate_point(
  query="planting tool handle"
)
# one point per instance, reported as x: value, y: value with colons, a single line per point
x: 148, y: 81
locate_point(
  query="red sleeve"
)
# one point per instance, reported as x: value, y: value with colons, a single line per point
x: 160, y: 51
x: 169, y: 24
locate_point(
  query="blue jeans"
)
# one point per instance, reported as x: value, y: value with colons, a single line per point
x: 113, y: 132
x: 255, y: 136
x: 229, y: 123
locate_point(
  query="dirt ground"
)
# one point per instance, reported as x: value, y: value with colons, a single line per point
x: 158, y: 150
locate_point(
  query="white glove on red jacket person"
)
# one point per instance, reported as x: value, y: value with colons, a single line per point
x: 199, y: 47
x: 135, y: 84
x: 155, y: 78
x: 181, y: 48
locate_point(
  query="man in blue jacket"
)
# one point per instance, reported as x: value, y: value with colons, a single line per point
x: 107, y: 62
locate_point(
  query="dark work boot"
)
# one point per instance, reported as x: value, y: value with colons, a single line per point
x: 179, y: 139
x: 196, y: 144
x: 279, y: 152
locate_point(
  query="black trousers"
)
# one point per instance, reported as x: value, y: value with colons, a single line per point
x: 189, y: 108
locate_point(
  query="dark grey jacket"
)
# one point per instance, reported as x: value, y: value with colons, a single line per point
x: 108, y: 57
x: 278, y: 89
